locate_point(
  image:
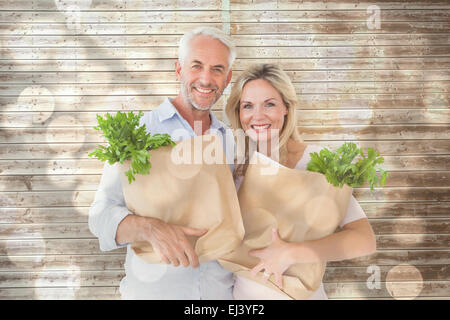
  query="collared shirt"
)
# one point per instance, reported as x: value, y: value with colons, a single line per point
x: 155, y: 281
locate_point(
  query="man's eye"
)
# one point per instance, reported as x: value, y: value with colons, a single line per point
x: 218, y: 70
x: 196, y: 66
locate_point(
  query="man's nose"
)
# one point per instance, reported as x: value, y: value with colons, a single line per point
x: 205, y: 78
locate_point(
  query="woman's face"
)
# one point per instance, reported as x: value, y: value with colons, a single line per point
x: 262, y: 110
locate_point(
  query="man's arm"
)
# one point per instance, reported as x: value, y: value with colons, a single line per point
x: 108, y: 209
x: 116, y: 226
x: 168, y: 240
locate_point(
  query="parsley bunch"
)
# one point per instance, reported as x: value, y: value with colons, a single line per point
x: 339, y: 169
x: 127, y: 140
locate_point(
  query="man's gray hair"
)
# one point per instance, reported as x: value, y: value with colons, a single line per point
x: 183, y: 49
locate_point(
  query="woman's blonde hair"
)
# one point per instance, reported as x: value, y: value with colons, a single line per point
x: 274, y: 75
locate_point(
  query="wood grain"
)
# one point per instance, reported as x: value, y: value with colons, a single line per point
x: 385, y: 88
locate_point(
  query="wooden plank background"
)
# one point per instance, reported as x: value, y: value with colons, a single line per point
x: 388, y: 88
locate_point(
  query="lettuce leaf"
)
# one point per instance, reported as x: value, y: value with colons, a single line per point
x: 339, y: 167
x: 127, y: 140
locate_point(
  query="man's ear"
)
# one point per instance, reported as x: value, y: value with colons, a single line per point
x: 178, y: 70
x: 230, y: 73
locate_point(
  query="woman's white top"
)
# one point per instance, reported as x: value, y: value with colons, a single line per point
x: 245, y: 289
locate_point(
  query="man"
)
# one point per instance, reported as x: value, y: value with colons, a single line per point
x: 204, y: 71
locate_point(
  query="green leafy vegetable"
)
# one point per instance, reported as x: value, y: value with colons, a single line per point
x: 127, y: 140
x: 339, y: 169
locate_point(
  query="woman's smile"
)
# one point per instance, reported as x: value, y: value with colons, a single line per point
x: 262, y: 110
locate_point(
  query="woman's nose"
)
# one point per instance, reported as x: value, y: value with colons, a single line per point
x: 259, y: 112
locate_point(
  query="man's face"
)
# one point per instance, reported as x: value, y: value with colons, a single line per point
x: 204, y: 74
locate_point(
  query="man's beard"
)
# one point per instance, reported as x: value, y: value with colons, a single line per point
x: 189, y: 99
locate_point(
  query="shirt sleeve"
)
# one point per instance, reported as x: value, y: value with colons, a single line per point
x: 354, y: 210
x: 108, y: 208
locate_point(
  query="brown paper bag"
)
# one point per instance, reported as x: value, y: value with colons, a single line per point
x: 302, y: 205
x: 197, y: 194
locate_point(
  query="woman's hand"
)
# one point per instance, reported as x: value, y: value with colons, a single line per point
x: 274, y: 259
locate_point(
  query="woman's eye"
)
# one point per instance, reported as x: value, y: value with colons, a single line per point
x: 246, y: 106
x: 270, y: 104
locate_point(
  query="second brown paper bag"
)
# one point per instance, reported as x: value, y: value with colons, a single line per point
x: 194, y: 193
x: 302, y: 205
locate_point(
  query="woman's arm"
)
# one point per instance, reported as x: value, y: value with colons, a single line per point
x: 356, y: 239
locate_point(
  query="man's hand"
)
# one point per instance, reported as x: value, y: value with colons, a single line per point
x: 168, y: 240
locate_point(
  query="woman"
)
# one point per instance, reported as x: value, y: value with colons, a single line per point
x: 263, y: 103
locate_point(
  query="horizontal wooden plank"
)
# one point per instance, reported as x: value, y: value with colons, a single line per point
x: 45, y: 215
x: 402, y: 289
x: 396, y: 257
x: 80, y: 53
x: 374, y: 132
x: 90, y: 246
x: 97, y: 65
x: 139, y: 28
x: 77, y: 64
x: 47, y: 199
x: 235, y: 16
x: 76, y: 278
x: 304, y: 117
x: 43, y: 78
x: 325, y: 27
x: 343, y: 132
x: 173, y: 88
x: 285, y: 40
x: 81, y: 150
x: 42, y: 183
x: 47, y: 231
x: 400, y: 273
x: 154, y: 16
x: 115, y: 261
x: 332, y: 5
x: 90, y: 182
x: 50, y: 151
x: 43, y: 247
x: 85, y: 198
x: 94, y: 166
x: 83, y: 293
x: 70, y: 278
x: 413, y: 241
x: 280, y: 40
x: 335, y: 291
x: 330, y: 27
x: 406, y: 209
x: 216, y: 5
x: 141, y: 5
x: 62, y: 262
x: 81, y: 230
x: 403, y: 194
x: 336, y: 16
x: 411, y: 226
x: 373, y: 210
x: 38, y: 98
